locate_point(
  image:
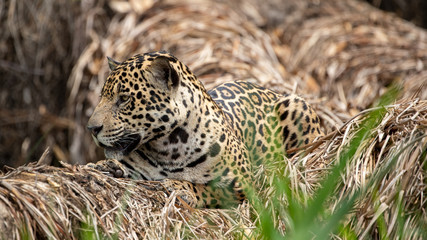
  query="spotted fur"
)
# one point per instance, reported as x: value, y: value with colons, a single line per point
x: 159, y: 123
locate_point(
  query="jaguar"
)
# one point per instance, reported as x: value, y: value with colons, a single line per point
x: 156, y: 121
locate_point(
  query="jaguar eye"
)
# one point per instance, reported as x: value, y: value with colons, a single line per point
x: 123, y: 99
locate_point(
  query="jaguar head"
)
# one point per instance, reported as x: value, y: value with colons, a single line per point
x: 140, y: 101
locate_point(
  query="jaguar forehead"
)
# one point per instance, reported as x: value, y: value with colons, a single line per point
x: 140, y: 62
x: 108, y: 88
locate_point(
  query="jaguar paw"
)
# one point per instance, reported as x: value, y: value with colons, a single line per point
x: 110, y: 167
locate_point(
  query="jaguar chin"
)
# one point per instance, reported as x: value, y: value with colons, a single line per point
x: 123, y: 147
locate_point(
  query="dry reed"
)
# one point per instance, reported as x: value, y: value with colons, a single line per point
x: 340, y: 55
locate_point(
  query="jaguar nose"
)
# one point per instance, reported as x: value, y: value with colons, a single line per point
x: 94, y: 129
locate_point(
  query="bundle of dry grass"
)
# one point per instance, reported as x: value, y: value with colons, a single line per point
x: 330, y: 49
x: 39, y: 44
x: 354, y: 51
x: 389, y: 166
x: 38, y: 201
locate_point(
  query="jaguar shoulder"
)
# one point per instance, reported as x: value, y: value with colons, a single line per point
x: 158, y: 122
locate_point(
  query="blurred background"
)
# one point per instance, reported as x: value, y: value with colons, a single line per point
x: 53, y: 57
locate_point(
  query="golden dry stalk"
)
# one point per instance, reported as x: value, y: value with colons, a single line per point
x: 342, y: 55
x: 57, y: 203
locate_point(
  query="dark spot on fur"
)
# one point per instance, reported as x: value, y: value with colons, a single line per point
x: 222, y: 138
x: 293, y: 137
x: 226, y: 170
x: 306, y: 131
x: 214, y: 150
x: 284, y: 115
x: 304, y: 106
x: 293, y: 114
x: 165, y: 118
x: 149, y: 118
x: 177, y: 170
x: 178, y: 134
x: 264, y: 149
x: 144, y: 157
x: 285, y: 133
x: 198, y: 161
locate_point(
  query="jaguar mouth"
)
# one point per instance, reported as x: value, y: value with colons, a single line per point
x: 125, y: 145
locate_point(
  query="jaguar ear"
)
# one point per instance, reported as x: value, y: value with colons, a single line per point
x: 112, y: 63
x: 164, y: 71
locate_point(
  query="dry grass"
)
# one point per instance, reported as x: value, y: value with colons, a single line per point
x: 398, y: 146
x: 355, y: 52
x: 340, y: 55
x: 39, y: 45
x: 38, y: 200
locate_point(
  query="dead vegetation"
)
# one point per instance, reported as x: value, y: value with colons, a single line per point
x: 340, y: 55
x: 45, y: 202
